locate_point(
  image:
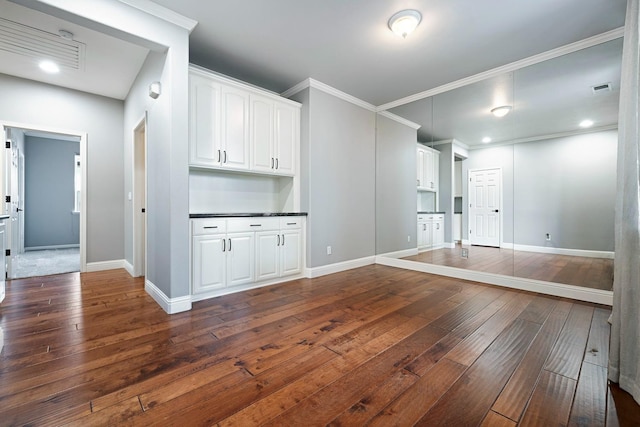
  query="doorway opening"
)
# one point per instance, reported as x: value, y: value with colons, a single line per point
x: 140, y: 198
x: 44, y: 181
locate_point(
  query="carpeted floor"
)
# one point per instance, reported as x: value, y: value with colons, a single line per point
x: 44, y: 263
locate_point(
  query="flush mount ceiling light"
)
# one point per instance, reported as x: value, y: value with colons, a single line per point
x: 49, y: 66
x: 586, y: 123
x: 486, y: 140
x: 501, y: 111
x: 404, y: 22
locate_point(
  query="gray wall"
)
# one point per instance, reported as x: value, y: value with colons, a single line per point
x: 395, y: 186
x: 28, y: 102
x: 566, y: 187
x: 338, y: 151
x: 445, y: 187
x: 49, y: 193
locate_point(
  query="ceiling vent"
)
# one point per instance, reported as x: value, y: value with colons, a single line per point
x: 604, y: 87
x: 33, y: 43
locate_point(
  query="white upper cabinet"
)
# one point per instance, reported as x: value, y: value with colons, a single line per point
x: 233, y: 126
x: 427, y: 168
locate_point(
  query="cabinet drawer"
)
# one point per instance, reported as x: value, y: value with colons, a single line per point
x: 252, y: 224
x: 207, y: 226
x: 290, y: 222
x: 422, y: 217
x: 438, y: 217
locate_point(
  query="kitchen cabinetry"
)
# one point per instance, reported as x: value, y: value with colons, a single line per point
x: 430, y: 231
x: 229, y: 252
x: 233, y: 126
x: 428, y: 168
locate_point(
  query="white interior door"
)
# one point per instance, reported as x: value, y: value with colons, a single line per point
x: 20, y: 203
x: 140, y: 198
x: 485, y: 194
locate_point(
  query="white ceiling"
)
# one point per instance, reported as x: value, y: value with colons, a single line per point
x: 109, y: 68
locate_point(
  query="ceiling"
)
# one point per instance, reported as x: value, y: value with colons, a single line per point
x: 346, y: 44
x: 102, y: 64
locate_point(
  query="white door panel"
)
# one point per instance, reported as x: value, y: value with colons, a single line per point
x: 484, y: 207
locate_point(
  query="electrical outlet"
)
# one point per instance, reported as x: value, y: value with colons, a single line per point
x: 548, y: 237
x: 328, y: 250
x: 465, y: 253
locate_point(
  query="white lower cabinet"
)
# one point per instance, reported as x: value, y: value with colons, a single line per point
x: 430, y: 231
x: 244, y: 251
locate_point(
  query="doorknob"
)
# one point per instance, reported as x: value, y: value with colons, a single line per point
x: 496, y: 210
x: 19, y: 210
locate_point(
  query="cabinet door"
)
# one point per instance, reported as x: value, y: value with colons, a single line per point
x: 208, y: 263
x: 240, y: 258
x: 428, y: 170
x: 420, y: 167
x: 424, y: 234
x: 267, y: 255
x: 436, y: 171
x: 262, y: 153
x: 204, y: 122
x: 437, y: 233
x: 235, y: 128
x: 287, y: 136
x: 291, y: 252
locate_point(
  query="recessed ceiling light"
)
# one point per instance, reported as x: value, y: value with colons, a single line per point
x: 404, y: 22
x: 49, y: 66
x: 486, y: 139
x: 501, y: 111
x: 586, y: 123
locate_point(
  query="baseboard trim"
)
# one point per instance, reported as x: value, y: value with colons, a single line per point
x: 400, y: 254
x: 45, y: 248
x: 556, y: 289
x: 564, y: 251
x: 105, y: 265
x: 339, y: 266
x: 169, y: 305
x: 129, y: 268
x: 241, y: 288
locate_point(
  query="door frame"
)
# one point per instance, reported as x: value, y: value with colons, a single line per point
x: 501, y: 201
x: 4, y: 125
x: 139, y: 222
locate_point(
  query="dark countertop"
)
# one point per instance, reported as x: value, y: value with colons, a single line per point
x: 247, y: 215
x: 430, y: 212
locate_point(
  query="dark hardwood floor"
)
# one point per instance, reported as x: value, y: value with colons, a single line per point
x: 594, y: 273
x: 371, y: 346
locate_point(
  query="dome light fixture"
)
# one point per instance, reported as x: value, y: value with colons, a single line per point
x: 49, y: 66
x: 404, y: 22
x: 586, y: 123
x: 486, y: 140
x: 501, y: 111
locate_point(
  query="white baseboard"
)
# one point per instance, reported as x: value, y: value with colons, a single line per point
x: 169, y: 305
x: 564, y: 251
x: 450, y: 245
x: 466, y: 242
x: 239, y: 288
x: 339, y: 266
x: 129, y: 268
x: 557, y: 289
x: 105, y: 265
x: 400, y: 254
x: 44, y: 248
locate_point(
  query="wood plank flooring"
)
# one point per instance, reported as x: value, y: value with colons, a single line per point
x: 372, y: 346
x: 594, y: 273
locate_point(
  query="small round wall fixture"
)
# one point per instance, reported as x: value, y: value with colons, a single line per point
x: 404, y: 22
x: 501, y: 111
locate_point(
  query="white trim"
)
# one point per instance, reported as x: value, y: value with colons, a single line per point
x: 535, y: 59
x: 129, y: 268
x: 548, y: 288
x: 400, y: 120
x: 240, y: 288
x: 105, y: 265
x: 163, y: 13
x: 465, y: 242
x: 44, y: 248
x: 329, y: 90
x: 564, y: 251
x: 399, y: 254
x: 169, y: 305
x: 546, y: 137
x: 339, y: 266
x: 449, y: 245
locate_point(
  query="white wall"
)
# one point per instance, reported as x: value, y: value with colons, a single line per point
x: 29, y: 102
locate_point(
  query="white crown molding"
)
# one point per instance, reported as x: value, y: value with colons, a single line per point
x: 400, y: 120
x: 329, y: 90
x: 535, y: 59
x: 163, y: 13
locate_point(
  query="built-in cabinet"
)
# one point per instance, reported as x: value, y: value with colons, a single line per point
x: 235, y: 127
x: 230, y: 252
x: 427, y: 167
x: 430, y: 231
